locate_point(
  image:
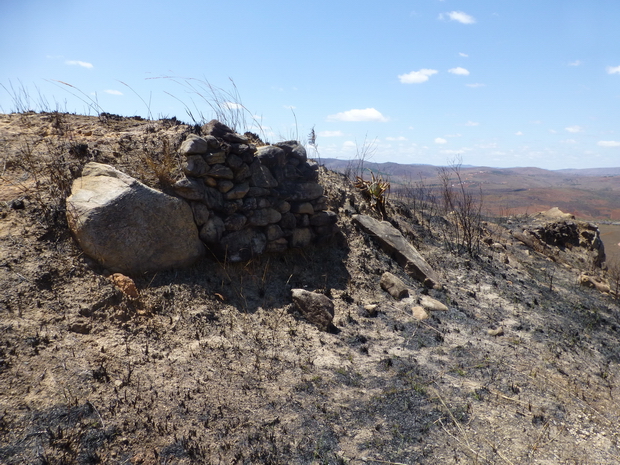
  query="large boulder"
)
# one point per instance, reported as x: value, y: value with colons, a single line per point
x: 128, y: 227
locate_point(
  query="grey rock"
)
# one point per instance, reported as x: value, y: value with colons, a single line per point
x: 232, y: 206
x: 261, y: 176
x: 225, y: 185
x: 282, y: 206
x: 258, y: 192
x: 393, y: 243
x: 213, y: 198
x: 196, y: 166
x: 304, y: 208
x: 189, y: 188
x: 128, y: 227
x: 241, y: 245
x: 210, y: 182
x: 212, y: 230
x: 201, y: 213
x: 196, y: 145
x: 234, y: 161
x: 394, y: 285
x: 238, y: 192
x: 242, y: 173
x: 293, y: 149
x: 271, y: 156
x: 221, y: 172
x: 235, y: 222
x: 218, y: 129
x: 273, y: 232
x: 317, y: 308
x: 215, y: 158
x: 263, y: 217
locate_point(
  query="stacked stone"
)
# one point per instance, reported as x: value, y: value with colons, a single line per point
x: 248, y: 200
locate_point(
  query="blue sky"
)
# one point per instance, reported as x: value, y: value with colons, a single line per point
x: 493, y: 82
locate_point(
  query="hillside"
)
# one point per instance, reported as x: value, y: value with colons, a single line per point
x: 214, y: 363
x: 589, y: 193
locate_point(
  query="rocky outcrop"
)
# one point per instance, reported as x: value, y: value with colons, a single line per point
x: 128, y: 227
x: 250, y: 199
x: 580, y: 238
x: 317, y: 308
x: 393, y: 243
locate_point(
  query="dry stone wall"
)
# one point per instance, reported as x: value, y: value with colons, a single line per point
x: 248, y: 197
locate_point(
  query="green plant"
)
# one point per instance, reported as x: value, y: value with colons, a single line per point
x: 375, y: 190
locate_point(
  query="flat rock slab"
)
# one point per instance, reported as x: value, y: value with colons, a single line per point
x: 393, y: 242
x: 128, y: 227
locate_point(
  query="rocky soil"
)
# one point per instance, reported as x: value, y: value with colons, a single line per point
x: 215, y: 364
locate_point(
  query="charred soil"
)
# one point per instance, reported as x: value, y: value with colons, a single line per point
x: 214, y: 364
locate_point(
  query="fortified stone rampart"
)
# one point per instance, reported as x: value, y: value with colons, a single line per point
x: 248, y: 197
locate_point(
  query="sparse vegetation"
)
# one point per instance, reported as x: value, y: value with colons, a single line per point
x: 213, y: 364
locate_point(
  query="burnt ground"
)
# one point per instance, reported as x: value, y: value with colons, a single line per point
x: 213, y: 364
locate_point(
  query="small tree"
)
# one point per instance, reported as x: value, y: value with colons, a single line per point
x: 463, y: 210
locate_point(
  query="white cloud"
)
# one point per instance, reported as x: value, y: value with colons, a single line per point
x: 113, y: 92
x: 83, y: 64
x: 518, y: 133
x: 233, y: 105
x: 460, y: 71
x: 576, y: 63
x: 569, y: 141
x: 459, y: 16
x: 472, y: 123
x: 349, y: 145
x: 464, y: 55
x: 330, y: 134
x: 399, y: 138
x: 475, y: 85
x: 417, y: 77
x: 368, y: 114
x: 553, y: 131
x: 439, y: 140
x: 288, y: 107
x: 608, y: 143
x: 574, y: 129
x: 613, y: 70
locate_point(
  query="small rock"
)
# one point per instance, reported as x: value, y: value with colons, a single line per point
x: 419, y: 313
x: 196, y: 145
x: 496, y: 332
x: 371, y: 310
x: 431, y: 304
x: 80, y: 327
x: 125, y: 284
x: 394, y: 285
x: 317, y: 308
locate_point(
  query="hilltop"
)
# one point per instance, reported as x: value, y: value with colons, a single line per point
x: 587, y: 193
x: 215, y: 364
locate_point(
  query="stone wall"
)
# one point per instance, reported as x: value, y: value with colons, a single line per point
x: 248, y: 197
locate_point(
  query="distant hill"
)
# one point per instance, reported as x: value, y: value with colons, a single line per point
x: 591, y: 193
